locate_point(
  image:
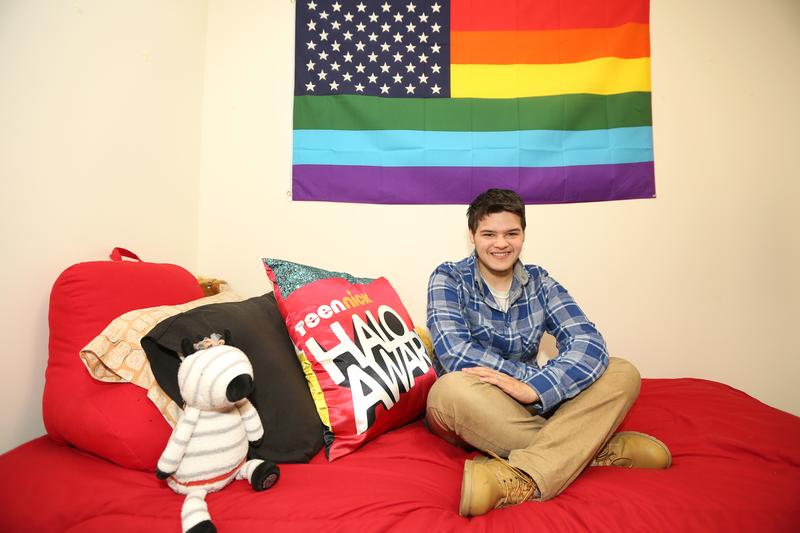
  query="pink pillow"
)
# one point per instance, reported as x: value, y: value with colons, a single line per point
x: 115, y: 421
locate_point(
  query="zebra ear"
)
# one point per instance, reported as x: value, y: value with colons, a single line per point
x: 227, y: 337
x: 187, y: 347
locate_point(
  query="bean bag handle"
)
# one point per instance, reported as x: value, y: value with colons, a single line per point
x: 118, y: 253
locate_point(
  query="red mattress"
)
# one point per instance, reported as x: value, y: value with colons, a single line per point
x: 736, y: 467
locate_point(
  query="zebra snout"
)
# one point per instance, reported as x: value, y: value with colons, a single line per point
x: 239, y: 387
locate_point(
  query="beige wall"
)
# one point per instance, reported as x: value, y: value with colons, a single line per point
x: 100, y: 109
x: 196, y: 105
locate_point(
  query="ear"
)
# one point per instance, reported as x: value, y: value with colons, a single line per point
x: 227, y: 336
x: 471, y: 237
x: 187, y: 347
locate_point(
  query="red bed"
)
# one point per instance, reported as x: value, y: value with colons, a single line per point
x: 736, y: 467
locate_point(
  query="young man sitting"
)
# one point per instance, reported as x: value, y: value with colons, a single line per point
x: 540, y: 426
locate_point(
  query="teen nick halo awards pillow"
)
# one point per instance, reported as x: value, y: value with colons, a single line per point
x: 367, y: 368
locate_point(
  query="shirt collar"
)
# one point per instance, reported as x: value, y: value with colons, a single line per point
x: 521, y: 278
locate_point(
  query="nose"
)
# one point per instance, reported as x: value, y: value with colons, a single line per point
x: 500, y: 242
x: 239, y: 387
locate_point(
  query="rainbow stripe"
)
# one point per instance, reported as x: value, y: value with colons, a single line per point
x: 548, y: 97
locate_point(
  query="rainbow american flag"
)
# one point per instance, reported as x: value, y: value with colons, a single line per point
x: 432, y: 102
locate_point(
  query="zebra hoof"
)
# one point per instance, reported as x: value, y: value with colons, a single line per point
x: 264, y: 476
x: 206, y: 526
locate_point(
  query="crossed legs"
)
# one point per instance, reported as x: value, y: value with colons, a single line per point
x: 467, y: 412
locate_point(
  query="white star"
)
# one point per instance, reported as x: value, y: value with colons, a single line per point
x: 361, y: 7
x: 435, y: 89
x: 423, y: 58
x: 323, y: 35
x: 386, y: 7
x: 310, y: 65
x: 409, y: 89
x: 373, y: 36
x: 323, y: 55
x: 360, y: 46
x: 435, y: 48
x: 334, y: 85
x: 348, y: 17
x: 311, y: 45
x: 423, y: 78
x: 324, y: 15
x: 373, y: 57
x: 337, y: 6
x: 360, y: 26
x: 385, y: 26
x: 335, y: 66
x: 398, y: 37
x: 410, y: 67
x: 312, y: 25
x: 384, y: 68
x: 335, y: 45
x: 398, y: 57
x: 360, y: 68
x: 397, y: 78
x: 411, y: 7
x: 373, y: 17
x: 335, y: 24
x: 347, y: 76
x: 348, y: 57
x: 423, y: 18
x: 372, y: 78
x: 310, y: 87
x: 384, y: 89
x: 385, y: 47
x: 436, y: 68
x: 410, y: 27
x: 347, y: 36
x: 359, y: 88
x: 312, y: 5
x: 322, y: 74
x: 410, y: 47
x: 423, y: 38
x: 398, y: 17
x: 436, y: 8
x: 435, y: 27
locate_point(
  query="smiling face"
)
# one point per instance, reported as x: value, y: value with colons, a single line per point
x: 498, y: 242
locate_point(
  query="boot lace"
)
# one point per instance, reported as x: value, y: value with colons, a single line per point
x: 609, y: 458
x: 517, y: 488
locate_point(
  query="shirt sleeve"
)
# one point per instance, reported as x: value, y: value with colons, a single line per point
x: 450, y: 331
x: 582, y: 354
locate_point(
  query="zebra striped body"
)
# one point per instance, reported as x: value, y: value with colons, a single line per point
x: 213, y: 451
x: 208, y: 446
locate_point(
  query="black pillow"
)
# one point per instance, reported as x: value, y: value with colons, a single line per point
x: 292, y: 428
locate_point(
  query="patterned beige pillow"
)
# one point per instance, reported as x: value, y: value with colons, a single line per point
x: 116, y: 355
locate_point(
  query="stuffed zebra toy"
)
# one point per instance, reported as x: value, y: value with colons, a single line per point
x: 208, y: 446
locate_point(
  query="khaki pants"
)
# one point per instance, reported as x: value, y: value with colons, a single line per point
x: 553, y: 451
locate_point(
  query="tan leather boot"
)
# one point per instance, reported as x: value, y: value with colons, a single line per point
x: 491, y: 483
x: 633, y: 450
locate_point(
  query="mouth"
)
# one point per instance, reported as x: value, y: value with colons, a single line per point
x: 500, y: 255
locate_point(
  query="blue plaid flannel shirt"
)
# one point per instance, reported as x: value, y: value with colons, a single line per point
x: 469, y: 329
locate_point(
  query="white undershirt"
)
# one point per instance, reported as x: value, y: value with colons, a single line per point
x: 501, y: 298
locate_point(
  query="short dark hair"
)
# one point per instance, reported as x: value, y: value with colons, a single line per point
x: 495, y: 201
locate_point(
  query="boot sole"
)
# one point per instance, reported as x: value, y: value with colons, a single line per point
x: 466, y: 490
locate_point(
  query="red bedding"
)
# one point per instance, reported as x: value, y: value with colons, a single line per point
x: 736, y: 467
